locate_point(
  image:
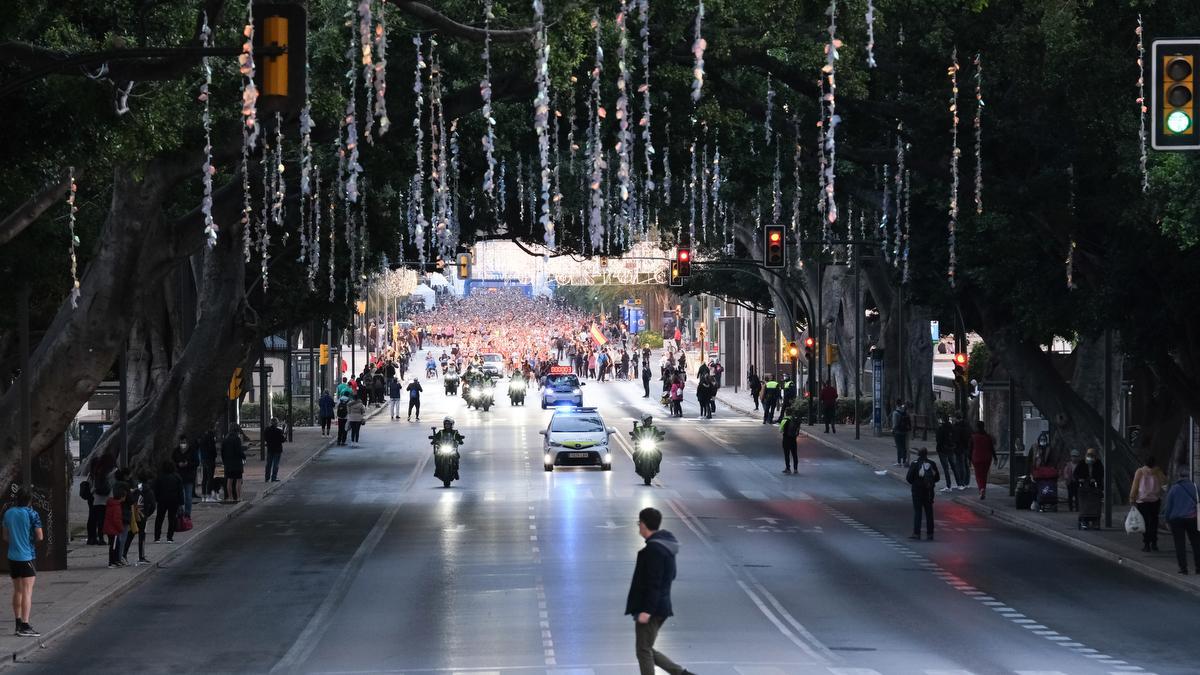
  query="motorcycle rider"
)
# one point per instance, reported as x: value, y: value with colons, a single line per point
x: 647, y: 464
x: 447, y: 435
x: 517, y: 386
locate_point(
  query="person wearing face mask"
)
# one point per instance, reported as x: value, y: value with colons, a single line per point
x: 1091, y: 469
x: 184, y: 458
x: 1088, y: 478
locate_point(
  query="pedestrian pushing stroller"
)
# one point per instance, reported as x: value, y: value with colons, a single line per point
x: 1045, y: 480
x: 1089, y: 505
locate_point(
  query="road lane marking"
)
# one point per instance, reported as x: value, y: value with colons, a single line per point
x: 310, y: 637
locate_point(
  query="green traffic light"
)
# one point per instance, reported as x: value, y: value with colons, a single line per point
x: 1179, y: 122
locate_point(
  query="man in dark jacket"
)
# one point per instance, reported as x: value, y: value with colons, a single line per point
x: 168, y: 493
x: 923, y: 477
x: 274, y: 439
x: 233, y: 458
x: 649, y: 599
x: 184, y: 457
x: 326, y: 405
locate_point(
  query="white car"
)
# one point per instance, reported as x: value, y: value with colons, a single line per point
x: 562, y: 388
x: 577, y: 437
x: 493, y: 364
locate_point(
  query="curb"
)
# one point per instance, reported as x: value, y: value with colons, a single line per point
x: 1001, y: 515
x: 125, y: 586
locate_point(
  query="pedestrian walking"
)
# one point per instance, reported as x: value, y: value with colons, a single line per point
x: 755, y: 386
x: 1180, y: 512
x: 233, y: 458
x: 706, y: 391
x: 947, y: 452
x: 184, y: 458
x: 923, y: 476
x: 93, y: 523
x: 395, y: 391
x: 1145, y: 493
x: 901, y: 425
x: 326, y: 406
x: 273, y: 438
x: 983, y: 453
x: 343, y: 413
x: 168, y: 488
x: 113, y: 525
x: 1069, y: 476
x: 22, y: 533
x: 790, y: 429
x: 646, y: 375
x: 414, y: 399
x: 962, y: 453
x: 770, y: 399
x: 829, y: 399
x: 208, y: 465
x: 345, y: 390
x: 356, y: 415
x: 649, y: 600
x: 144, y: 502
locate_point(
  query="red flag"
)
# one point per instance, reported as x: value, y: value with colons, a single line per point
x: 598, y: 336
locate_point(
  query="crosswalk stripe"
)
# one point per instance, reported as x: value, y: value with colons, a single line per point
x: 853, y: 671
x: 948, y: 672
x: 1040, y: 672
x: 758, y: 670
x: 711, y: 494
x: 754, y: 494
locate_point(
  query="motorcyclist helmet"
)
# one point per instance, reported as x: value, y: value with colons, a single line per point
x: 448, y: 422
x: 647, y: 420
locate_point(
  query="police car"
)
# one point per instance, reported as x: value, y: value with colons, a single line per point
x: 562, y: 387
x: 576, y: 437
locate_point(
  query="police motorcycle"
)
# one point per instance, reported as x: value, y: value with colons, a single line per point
x: 451, y: 381
x: 482, y: 392
x: 445, y: 451
x: 516, y: 389
x: 647, y: 450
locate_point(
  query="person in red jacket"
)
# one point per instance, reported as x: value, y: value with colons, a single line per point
x: 114, y: 525
x: 829, y: 398
x: 983, y: 453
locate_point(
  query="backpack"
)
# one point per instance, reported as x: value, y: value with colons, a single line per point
x: 927, y: 475
x: 903, y: 424
x: 1148, y: 486
x: 343, y: 410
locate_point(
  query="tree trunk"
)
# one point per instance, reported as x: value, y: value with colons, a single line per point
x: 191, y: 395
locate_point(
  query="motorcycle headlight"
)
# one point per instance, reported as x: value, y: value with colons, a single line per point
x: 489, y: 391
x: 518, y: 386
x: 647, y: 446
x: 475, y: 393
x: 446, y: 449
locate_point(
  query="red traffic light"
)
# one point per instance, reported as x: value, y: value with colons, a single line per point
x: 683, y: 258
x: 684, y: 254
x: 774, y: 253
x: 960, y: 359
x: 775, y: 236
x: 809, y: 342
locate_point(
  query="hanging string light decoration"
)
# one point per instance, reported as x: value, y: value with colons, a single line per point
x: 366, y: 37
x: 306, y: 172
x: 1071, y: 264
x: 521, y: 189
x: 901, y: 156
x: 1071, y: 243
x: 829, y: 70
x: 797, y: 193
x: 207, y: 169
x: 572, y: 147
x: 978, y: 135
x: 249, y: 114
x: 438, y: 174
x: 644, y: 88
x: 822, y: 160
x: 1143, y: 109
x: 72, y: 189
x: 555, y: 152
x: 595, y: 145
x: 502, y: 190
x: 489, y: 122
x: 952, y: 71
x: 350, y: 146
x: 703, y: 190
x: 770, y: 109
x: 776, y: 192
x: 455, y: 200
x: 314, y: 242
x: 624, y: 135
x: 698, y: 46
x: 332, y: 245
x: 885, y: 234
x: 907, y: 222
x: 666, y: 158
x: 691, y: 194
x: 380, y: 77
x: 541, y: 117
x: 264, y: 234
x: 277, y: 183
x: 871, y: 33
x: 417, y: 198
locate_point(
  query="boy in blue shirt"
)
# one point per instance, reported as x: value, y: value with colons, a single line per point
x: 22, y: 530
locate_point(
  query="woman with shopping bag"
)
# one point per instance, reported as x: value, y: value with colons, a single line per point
x: 1145, y: 494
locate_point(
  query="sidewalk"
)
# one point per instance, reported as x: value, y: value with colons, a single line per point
x: 62, y: 598
x: 1113, y: 545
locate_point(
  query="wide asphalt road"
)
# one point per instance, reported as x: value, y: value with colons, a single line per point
x: 364, y: 563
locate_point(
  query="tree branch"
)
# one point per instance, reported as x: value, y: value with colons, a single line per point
x: 25, y: 215
x: 451, y: 27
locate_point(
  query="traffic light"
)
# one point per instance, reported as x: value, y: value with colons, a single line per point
x: 775, y: 256
x: 280, y: 78
x: 1173, y: 87
x: 464, y: 265
x: 809, y: 345
x: 676, y: 280
x: 793, y: 351
x: 235, y: 385
x: 831, y: 353
x: 684, y: 259
x: 324, y: 355
x: 960, y: 369
x: 604, y: 262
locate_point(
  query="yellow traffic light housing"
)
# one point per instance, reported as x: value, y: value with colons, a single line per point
x: 1173, y: 110
x: 464, y: 265
x: 280, y: 43
x: 774, y: 253
x: 676, y: 280
x: 793, y: 351
x: 324, y: 355
x: 235, y: 385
